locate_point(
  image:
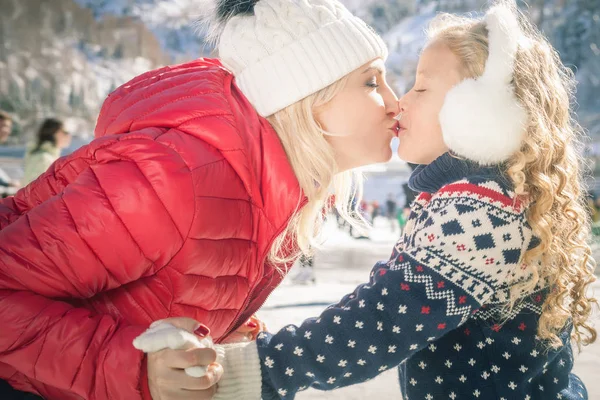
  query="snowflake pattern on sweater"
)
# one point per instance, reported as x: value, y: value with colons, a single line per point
x: 434, y: 310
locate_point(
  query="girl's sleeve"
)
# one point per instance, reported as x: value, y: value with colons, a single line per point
x: 457, y: 257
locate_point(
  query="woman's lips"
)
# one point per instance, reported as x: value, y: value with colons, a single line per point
x: 396, y: 128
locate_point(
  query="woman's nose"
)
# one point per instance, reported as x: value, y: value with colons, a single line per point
x: 390, y: 100
x: 393, y: 107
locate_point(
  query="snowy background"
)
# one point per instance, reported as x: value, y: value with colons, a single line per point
x: 62, y: 57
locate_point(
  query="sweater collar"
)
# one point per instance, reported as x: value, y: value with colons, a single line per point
x: 447, y: 169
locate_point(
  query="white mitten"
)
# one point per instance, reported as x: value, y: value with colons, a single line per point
x: 163, y: 335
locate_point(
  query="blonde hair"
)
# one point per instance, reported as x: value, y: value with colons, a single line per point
x: 546, y: 172
x: 313, y: 161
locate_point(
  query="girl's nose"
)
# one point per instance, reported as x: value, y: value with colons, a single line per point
x: 401, y: 104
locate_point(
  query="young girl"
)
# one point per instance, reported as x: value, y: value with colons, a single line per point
x: 487, y: 287
x: 204, y: 182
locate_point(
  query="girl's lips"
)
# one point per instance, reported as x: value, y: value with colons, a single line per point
x: 395, y: 128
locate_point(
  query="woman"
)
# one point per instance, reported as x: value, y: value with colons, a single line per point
x: 204, y: 182
x: 50, y: 140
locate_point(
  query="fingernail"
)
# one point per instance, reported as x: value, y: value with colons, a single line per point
x: 202, y: 330
x: 215, y: 370
x: 252, y: 324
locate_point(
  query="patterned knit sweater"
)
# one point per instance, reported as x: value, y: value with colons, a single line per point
x: 433, y: 309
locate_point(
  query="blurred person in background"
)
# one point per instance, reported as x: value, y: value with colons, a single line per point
x: 307, y: 271
x: 6, y: 124
x: 375, y: 210
x: 391, y: 209
x: 50, y: 140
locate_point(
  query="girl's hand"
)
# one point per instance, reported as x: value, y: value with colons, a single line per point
x: 178, y: 368
x: 247, y: 332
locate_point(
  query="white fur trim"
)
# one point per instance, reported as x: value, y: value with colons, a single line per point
x: 503, y: 35
x: 208, y: 20
x: 482, y: 119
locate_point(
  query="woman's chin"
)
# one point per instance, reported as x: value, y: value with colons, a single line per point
x: 388, y: 155
x: 383, y: 157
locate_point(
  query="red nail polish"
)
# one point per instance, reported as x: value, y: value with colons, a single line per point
x: 252, y: 324
x: 202, y: 331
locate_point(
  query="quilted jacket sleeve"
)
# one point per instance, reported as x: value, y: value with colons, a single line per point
x: 70, y: 349
x: 122, y: 218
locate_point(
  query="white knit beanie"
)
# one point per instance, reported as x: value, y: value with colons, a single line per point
x: 281, y: 51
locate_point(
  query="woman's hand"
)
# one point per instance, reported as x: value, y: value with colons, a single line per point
x: 167, y: 379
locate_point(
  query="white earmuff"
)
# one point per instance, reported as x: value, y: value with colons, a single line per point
x: 482, y: 119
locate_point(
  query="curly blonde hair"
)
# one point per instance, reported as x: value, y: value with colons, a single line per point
x: 546, y: 171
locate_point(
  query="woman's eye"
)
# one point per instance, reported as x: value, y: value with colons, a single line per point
x: 373, y: 83
x: 420, y: 91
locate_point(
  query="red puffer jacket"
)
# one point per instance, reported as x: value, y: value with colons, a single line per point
x: 170, y: 211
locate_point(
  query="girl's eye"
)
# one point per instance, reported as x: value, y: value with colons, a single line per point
x: 420, y: 91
